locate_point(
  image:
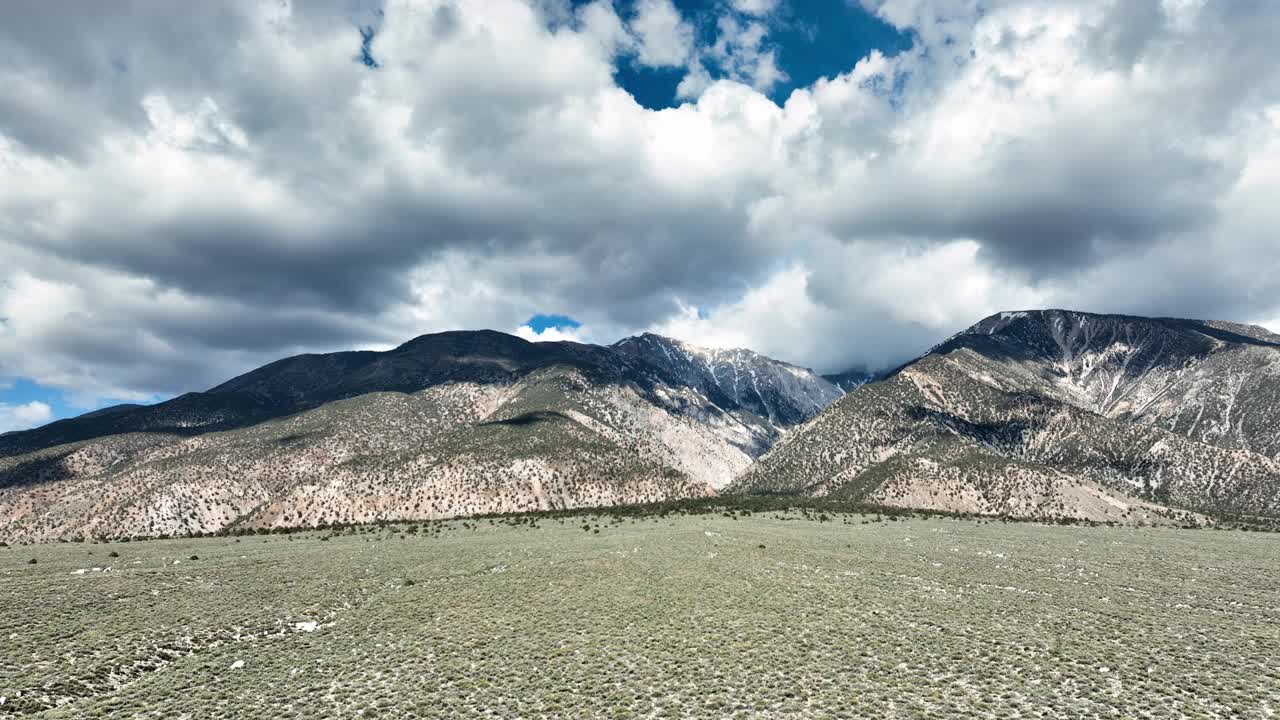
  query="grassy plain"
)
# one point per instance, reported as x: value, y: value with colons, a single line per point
x: 764, y: 616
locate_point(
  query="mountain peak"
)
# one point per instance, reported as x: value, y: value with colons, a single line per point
x: 652, y: 337
x: 646, y: 337
x: 778, y: 393
x: 698, y: 350
x: 1000, y: 320
x: 1076, y: 325
x: 454, y: 337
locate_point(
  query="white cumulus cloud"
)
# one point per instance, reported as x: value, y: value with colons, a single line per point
x: 664, y: 38
x: 24, y: 417
x: 190, y: 190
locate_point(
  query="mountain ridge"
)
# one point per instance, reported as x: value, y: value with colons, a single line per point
x: 301, y: 382
x: 447, y: 424
x: 1038, y: 414
x: 1077, y: 402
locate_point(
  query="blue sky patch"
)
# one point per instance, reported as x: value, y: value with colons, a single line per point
x: 819, y: 38
x: 653, y: 88
x: 824, y: 38
x: 538, y: 323
x: 20, y: 391
x: 366, y: 51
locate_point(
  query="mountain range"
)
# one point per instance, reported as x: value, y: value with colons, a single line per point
x: 1032, y: 414
x: 456, y: 423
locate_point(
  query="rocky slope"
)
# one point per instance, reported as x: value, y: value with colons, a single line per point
x: 445, y: 425
x: 1214, y: 382
x: 852, y: 379
x: 1055, y: 413
x: 765, y: 395
x: 1033, y: 414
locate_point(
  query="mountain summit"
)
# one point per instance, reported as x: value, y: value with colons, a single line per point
x: 752, y: 387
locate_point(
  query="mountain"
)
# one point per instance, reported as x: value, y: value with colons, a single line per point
x: 1034, y: 414
x: 450, y: 424
x: 852, y: 379
x: 110, y: 410
x: 765, y: 395
x: 1214, y: 382
x: 1054, y: 412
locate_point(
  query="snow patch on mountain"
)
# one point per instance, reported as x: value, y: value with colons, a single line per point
x: 741, y: 389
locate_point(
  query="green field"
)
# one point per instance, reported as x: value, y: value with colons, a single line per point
x: 770, y: 616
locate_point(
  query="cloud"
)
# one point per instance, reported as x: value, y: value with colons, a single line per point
x: 660, y: 36
x: 548, y: 334
x: 24, y: 417
x: 903, y: 300
x: 755, y: 7
x: 664, y: 39
x: 740, y: 52
x: 599, y: 20
x: 188, y: 192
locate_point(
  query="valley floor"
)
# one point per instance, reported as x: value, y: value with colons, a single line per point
x: 767, y: 616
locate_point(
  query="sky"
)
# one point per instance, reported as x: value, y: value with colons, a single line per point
x: 191, y: 190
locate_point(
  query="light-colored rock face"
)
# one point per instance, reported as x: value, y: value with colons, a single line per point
x: 496, y: 426
x: 763, y: 396
x: 452, y: 450
x: 1214, y: 382
x: 1037, y: 413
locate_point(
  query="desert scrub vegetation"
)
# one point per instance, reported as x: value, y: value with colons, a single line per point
x: 705, y: 610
